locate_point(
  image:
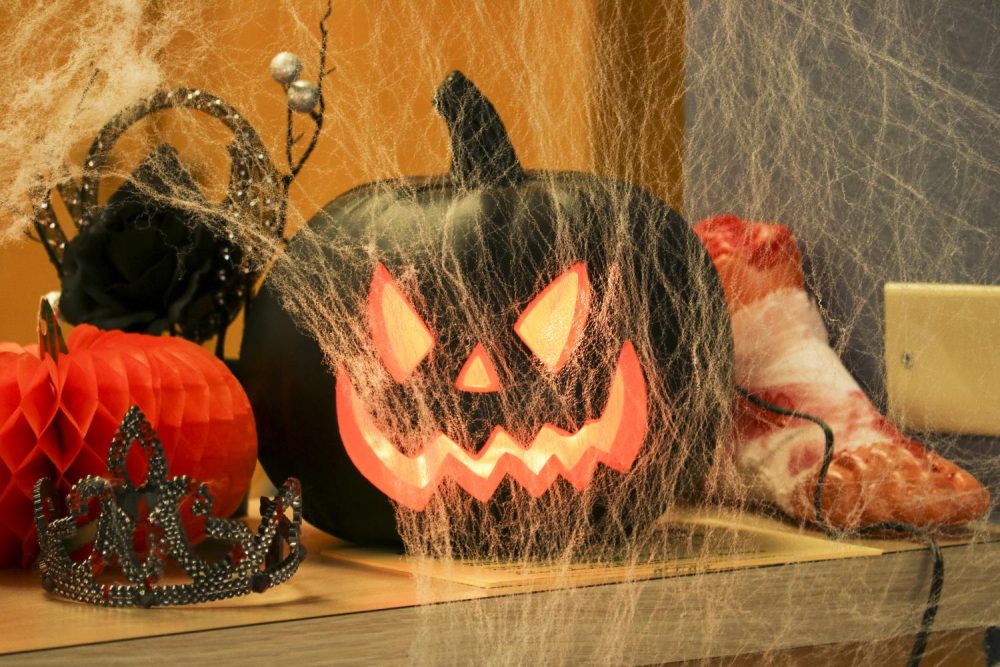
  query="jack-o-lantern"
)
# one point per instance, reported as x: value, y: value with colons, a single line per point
x: 511, y: 336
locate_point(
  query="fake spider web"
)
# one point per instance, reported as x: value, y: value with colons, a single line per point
x: 869, y: 129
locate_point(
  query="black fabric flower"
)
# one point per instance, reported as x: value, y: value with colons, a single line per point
x: 146, y: 265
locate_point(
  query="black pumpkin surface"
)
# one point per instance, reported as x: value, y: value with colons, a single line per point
x: 450, y: 388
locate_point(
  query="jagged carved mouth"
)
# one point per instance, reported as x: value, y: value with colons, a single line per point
x: 613, y: 439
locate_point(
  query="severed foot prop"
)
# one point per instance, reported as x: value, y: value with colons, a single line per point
x: 783, y: 356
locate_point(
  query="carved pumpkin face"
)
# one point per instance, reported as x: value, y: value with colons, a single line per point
x: 507, y: 338
x: 551, y: 328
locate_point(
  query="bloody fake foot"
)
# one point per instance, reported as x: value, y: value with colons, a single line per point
x: 783, y: 356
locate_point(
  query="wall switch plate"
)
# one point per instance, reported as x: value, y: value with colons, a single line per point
x: 942, y: 357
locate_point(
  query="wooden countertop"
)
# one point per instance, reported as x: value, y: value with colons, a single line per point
x: 369, y: 614
x: 323, y: 587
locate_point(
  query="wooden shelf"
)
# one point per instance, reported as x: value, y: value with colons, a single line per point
x: 372, y: 615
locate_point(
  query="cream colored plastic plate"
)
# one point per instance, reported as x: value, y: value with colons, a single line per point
x: 942, y: 357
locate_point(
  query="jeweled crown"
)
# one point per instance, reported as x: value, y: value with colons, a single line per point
x: 138, y: 538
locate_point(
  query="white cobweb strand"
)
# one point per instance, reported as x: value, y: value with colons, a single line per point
x: 68, y: 68
x: 860, y: 125
x: 870, y: 129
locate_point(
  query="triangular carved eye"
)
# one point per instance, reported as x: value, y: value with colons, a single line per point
x: 553, y: 323
x: 401, y: 336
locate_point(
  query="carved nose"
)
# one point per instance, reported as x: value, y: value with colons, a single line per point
x: 478, y: 374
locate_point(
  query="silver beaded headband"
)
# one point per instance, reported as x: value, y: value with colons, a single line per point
x: 150, y: 512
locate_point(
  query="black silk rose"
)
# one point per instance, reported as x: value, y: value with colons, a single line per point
x: 146, y: 265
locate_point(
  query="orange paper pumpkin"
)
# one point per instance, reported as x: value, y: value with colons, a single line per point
x: 61, y: 404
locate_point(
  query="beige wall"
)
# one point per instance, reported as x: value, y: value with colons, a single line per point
x: 380, y: 120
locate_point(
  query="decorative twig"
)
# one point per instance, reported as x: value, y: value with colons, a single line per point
x: 303, y: 97
x: 286, y: 179
x: 316, y: 115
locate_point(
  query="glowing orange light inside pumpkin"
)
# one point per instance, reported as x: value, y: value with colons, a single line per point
x: 400, y: 334
x: 554, y: 322
x: 551, y: 326
x: 478, y: 374
x: 613, y: 439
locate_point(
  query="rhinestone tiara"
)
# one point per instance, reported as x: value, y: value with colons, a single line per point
x: 149, y: 513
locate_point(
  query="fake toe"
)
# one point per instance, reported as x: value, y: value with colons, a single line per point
x: 901, y: 482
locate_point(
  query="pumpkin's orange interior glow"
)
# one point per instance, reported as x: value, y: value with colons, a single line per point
x: 551, y: 326
x: 554, y: 322
x: 411, y: 477
x: 401, y: 336
x: 478, y: 374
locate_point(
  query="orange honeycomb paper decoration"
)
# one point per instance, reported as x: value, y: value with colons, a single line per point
x: 61, y: 404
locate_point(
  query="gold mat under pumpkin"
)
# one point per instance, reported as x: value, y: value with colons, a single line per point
x: 700, y: 541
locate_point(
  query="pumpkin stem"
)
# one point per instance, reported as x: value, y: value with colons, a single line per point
x: 481, y: 152
x: 50, y: 337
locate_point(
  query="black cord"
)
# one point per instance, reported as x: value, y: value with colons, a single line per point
x: 937, y: 558
x: 827, y: 447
